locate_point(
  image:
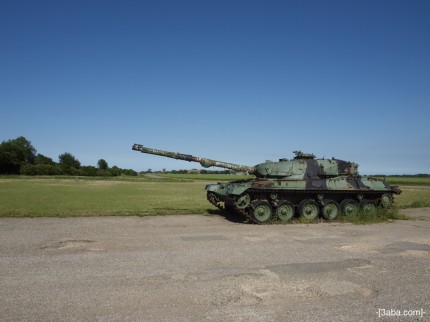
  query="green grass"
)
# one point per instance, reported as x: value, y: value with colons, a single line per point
x: 413, y: 197
x: 82, y: 196
x: 380, y: 215
x: 214, y: 177
x: 410, y: 181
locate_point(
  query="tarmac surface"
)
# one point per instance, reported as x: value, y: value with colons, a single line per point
x: 211, y: 268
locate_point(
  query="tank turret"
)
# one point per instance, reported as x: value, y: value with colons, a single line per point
x: 304, y: 186
x: 304, y: 165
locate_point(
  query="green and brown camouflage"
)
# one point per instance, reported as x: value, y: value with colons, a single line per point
x: 303, y: 186
x: 206, y: 163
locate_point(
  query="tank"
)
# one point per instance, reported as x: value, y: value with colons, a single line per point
x: 304, y: 186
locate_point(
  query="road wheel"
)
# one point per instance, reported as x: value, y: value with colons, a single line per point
x: 349, y: 207
x: 386, y: 200
x: 261, y: 212
x: 285, y: 211
x: 330, y: 210
x: 308, y: 209
x: 368, y: 207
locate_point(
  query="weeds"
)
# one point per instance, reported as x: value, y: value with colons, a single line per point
x: 380, y: 215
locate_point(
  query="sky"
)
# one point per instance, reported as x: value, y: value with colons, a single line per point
x: 236, y: 81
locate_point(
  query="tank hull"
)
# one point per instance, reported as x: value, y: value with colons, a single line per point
x: 309, y: 198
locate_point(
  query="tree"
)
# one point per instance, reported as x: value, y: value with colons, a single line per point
x: 68, y: 163
x: 115, y: 171
x: 16, y: 153
x: 41, y: 159
x: 102, y: 164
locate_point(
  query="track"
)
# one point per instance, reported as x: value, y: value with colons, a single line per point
x: 366, y: 196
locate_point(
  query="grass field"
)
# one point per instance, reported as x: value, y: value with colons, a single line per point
x: 417, y: 181
x: 410, y: 181
x: 178, y: 194
x: 83, y: 197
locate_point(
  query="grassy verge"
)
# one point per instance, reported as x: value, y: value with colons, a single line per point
x: 205, y: 177
x: 380, y: 215
x: 410, y: 181
x: 123, y: 196
x: 82, y: 197
x: 413, y: 197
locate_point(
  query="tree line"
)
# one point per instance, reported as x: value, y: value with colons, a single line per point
x: 19, y: 156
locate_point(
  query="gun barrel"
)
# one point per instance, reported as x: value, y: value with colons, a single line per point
x: 187, y: 157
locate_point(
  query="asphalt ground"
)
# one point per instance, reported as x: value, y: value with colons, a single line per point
x: 211, y: 268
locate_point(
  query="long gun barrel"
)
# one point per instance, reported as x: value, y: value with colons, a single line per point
x: 187, y: 157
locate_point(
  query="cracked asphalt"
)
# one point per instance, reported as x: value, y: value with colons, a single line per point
x: 209, y: 268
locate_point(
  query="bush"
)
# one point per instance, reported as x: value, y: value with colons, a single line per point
x: 40, y: 170
x: 89, y: 171
x: 115, y: 171
x: 129, y: 172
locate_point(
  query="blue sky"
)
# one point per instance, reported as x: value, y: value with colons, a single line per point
x: 238, y: 81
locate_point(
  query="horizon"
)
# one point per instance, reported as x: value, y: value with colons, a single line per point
x: 196, y: 166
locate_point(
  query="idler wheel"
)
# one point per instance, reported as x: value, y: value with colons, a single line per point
x: 330, y: 210
x: 349, y: 207
x: 285, y: 211
x: 308, y: 209
x: 261, y: 212
x: 368, y: 207
x: 243, y: 201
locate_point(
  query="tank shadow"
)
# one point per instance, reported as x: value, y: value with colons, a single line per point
x: 230, y: 216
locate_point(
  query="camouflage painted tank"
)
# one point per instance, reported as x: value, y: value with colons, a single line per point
x: 302, y: 187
